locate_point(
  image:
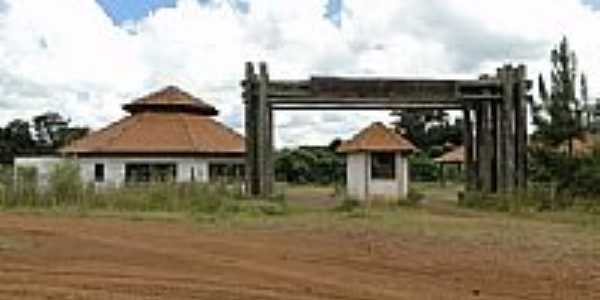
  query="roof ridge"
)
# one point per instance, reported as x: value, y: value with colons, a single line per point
x: 95, y: 133
x: 377, y: 135
x: 400, y: 138
x: 188, y: 131
x: 227, y: 128
x: 112, y: 140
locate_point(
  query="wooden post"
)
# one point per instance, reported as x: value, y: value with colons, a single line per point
x: 478, y: 145
x: 495, y: 170
x: 486, y: 144
x: 468, y: 144
x: 264, y: 137
x: 521, y: 126
x: 506, y: 75
x: 250, y: 101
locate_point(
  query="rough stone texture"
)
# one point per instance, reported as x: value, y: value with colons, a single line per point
x: 489, y: 97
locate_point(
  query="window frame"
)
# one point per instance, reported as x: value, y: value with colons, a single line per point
x: 150, y: 172
x: 383, y: 165
x: 99, y: 172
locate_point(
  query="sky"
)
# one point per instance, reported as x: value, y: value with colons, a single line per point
x: 85, y: 58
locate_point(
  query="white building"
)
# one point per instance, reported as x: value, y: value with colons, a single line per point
x: 377, y: 163
x: 169, y: 135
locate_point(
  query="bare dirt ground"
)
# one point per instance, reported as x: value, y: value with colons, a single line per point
x: 46, y: 257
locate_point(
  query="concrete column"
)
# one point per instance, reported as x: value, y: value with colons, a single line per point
x: 486, y: 148
x: 470, y: 167
x: 264, y: 134
x: 521, y: 126
x: 507, y: 142
x: 251, y: 115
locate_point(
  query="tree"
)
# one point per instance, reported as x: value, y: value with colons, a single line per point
x: 558, y: 117
x: 311, y: 164
x: 48, y: 127
x: 428, y: 129
x: 15, y: 139
x: 52, y: 131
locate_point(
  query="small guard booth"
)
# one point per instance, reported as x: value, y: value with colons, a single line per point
x: 377, y: 163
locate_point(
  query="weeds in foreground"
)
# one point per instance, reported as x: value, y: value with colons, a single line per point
x: 66, y: 191
x: 538, y: 198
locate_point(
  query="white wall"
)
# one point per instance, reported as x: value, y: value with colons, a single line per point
x: 43, y: 165
x: 357, y: 173
x: 114, y: 167
x: 361, y: 186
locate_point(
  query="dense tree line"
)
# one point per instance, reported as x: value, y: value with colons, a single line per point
x: 311, y: 165
x: 561, y: 117
x: 433, y: 133
x: 44, y: 134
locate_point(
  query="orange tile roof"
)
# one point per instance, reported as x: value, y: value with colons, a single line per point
x: 156, y: 132
x: 377, y: 137
x: 177, y: 125
x: 171, y: 98
x: 454, y: 156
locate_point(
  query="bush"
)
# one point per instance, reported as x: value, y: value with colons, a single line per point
x: 25, y: 188
x: 65, y: 186
x: 566, y: 179
x: 423, y: 168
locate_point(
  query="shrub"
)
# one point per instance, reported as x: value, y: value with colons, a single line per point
x: 566, y: 179
x: 423, y: 168
x: 25, y: 190
x: 65, y: 186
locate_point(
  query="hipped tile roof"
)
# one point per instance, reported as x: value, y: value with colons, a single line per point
x: 454, y: 156
x: 166, y: 129
x: 377, y: 137
x: 171, y: 99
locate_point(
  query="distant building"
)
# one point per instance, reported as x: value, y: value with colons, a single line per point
x: 377, y: 163
x: 454, y: 157
x: 169, y: 135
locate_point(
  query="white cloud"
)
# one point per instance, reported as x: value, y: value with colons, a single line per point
x: 67, y: 55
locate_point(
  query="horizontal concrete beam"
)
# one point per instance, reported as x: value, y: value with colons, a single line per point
x: 367, y: 106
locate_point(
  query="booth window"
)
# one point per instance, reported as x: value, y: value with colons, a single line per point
x: 383, y: 165
x: 99, y: 172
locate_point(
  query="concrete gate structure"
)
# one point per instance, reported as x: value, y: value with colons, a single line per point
x: 494, y: 110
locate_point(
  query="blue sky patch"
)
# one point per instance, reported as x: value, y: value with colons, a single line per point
x: 595, y: 4
x: 133, y: 10
x: 121, y: 11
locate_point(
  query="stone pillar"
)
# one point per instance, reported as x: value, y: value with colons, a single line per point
x: 486, y: 147
x: 250, y: 100
x: 264, y: 136
x: 507, y: 143
x: 470, y: 167
x: 520, y: 98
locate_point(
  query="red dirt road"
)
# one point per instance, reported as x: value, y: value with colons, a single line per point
x: 80, y: 258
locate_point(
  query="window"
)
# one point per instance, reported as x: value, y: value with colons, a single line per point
x: 383, y: 165
x: 99, y: 172
x: 222, y: 171
x: 150, y: 172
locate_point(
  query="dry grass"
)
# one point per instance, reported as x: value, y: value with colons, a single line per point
x: 552, y: 236
x: 433, y: 251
